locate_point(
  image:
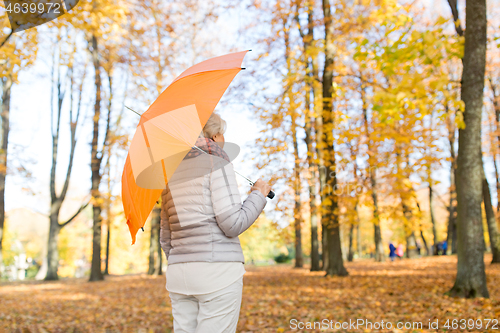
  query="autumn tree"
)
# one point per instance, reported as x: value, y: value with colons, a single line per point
x: 60, y: 88
x: 281, y: 114
x: 98, y: 22
x: 408, y: 92
x: 371, y: 143
x: 16, y: 53
x: 471, y: 277
x: 113, y: 64
x: 292, y: 111
x: 454, y: 118
x: 311, y: 103
x: 493, y: 232
x: 330, y: 213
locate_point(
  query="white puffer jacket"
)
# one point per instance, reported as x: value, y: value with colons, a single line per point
x: 202, y: 214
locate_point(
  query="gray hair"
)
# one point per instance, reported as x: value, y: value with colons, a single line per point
x: 214, y: 125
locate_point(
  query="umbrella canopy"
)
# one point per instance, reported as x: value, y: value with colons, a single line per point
x: 167, y: 131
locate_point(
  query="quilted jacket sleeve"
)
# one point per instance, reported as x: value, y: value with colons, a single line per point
x: 232, y: 216
x: 164, y: 226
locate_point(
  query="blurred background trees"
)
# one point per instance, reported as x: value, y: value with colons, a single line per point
x: 356, y: 108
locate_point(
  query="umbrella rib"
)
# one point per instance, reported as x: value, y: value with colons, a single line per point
x: 133, y: 110
x: 206, y: 71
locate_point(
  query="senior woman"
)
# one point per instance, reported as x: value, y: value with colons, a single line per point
x: 201, y: 218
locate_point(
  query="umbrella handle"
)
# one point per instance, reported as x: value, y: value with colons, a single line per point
x: 271, y: 193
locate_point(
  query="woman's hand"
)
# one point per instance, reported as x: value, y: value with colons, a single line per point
x: 262, y: 187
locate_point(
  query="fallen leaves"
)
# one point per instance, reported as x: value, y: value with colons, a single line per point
x: 401, y: 291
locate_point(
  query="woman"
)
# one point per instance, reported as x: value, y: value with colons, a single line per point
x: 201, y: 218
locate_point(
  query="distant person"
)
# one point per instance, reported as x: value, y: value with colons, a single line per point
x: 400, y: 252
x: 35, y: 264
x: 445, y: 247
x: 439, y: 248
x: 392, y: 251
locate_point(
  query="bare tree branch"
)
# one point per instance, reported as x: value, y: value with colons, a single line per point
x: 454, y: 11
x: 7, y: 38
x: 62, y: 225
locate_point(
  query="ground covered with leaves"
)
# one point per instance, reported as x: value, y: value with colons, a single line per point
x: 275, y: 299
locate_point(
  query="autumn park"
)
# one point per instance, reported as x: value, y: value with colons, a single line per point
x: 249, y: 166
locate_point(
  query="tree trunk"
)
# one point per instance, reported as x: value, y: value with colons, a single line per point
x: 411, y: 246
x: 421, y: 230
x: 160, y: 251
x: 318, y: 108
x: 5, y: 116
x: 424, y: 241
x: 330, y: 205
x: 107, y: 168
x: 299, y: 258
x: 496, y: 105
x: 350, y: 254
x: 55, y: 203
x: 411, y: 241
x: 324, y: 243
x: 491, y: 221
x: 95, y: 270
x: 471, y: 277
x: 314, y: 223
x: 108, y: 239
x: 52, y: 250
x: 152, y: 248
x: 452, y: 234
x: 452, y: 207
x: 358, y: 240
x: 335, y: 260
x: 322, y: 186
x: 154, y: 242
x: 452, y: 213
x: 379, y: 247
x: 433, y: 220
x: 307, y: 39
x: 321, y: 161
x: 377, y: 233
x: 95, y: 163
x: 497, y: 180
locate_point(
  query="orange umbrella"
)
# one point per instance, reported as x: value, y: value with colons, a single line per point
x: 167, y: 131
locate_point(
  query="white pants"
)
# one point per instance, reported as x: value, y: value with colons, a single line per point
x: 215, y: 312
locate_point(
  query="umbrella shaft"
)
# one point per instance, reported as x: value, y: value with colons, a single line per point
x: 251, y: 182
